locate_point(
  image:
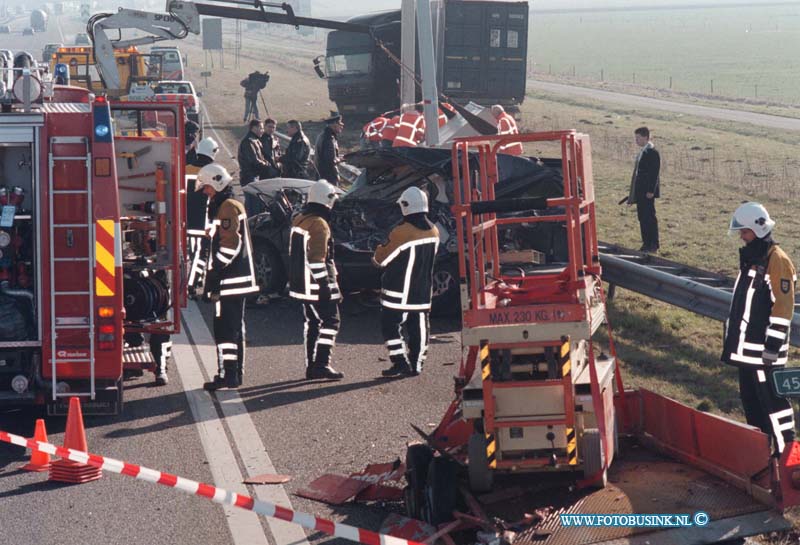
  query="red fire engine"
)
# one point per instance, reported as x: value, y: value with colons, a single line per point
x: 89, y: 248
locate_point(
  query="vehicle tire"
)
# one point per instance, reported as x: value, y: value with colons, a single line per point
x: 270, y: 274
x: 593, y: 457
x: 446, y: 297
x: 480, y: 474
x: 441, y: 491
x: 418, y: 459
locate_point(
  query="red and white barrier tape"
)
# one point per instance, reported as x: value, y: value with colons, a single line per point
x: 213, y: 493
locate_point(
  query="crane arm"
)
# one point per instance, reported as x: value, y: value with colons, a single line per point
x: 182, y: 18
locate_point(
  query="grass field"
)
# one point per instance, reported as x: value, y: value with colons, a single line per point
x: 746, y: 51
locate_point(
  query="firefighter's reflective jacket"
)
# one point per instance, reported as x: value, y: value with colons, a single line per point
x: 762, y: 307
x: 230, y: 271
x: 312, y: 275
x: 407, y: 261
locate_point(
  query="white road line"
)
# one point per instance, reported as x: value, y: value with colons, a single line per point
x: 219, y: 138
x: 245, y: 526
x: 245, y: 435
x: 58, y: 26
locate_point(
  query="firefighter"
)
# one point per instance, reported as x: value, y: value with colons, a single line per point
x: 312, y: 279
x: 506, y: 125
x: 327, y: 149
x: 229, y: 273
x: 409, y: 253
x: 196, y: 203
x: 389, y: 131
x: 371, y: 132
x: 758, y: 327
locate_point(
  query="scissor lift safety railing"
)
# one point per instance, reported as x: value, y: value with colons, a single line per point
x: 549, y: 310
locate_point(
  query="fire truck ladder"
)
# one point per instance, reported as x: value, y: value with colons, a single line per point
x: 65, y: 322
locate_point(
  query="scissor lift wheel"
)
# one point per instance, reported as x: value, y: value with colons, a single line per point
x: 480, y: 474
x: 418, y: 459
x: 593, y: 457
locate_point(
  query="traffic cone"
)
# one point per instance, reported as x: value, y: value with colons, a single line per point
x: 66, y: 471
x: 40, y: 461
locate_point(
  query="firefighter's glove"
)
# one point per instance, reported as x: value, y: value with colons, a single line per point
x: 768, y: 357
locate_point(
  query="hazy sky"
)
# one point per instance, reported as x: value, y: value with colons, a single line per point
x: 352, y: 7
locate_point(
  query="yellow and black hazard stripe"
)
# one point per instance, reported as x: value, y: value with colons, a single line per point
x: 105, y: 271
x: 565, y: 360
x: 485, y: 361
x: 491, y: 450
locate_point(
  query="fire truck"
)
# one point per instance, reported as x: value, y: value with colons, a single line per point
x: 91, y: 236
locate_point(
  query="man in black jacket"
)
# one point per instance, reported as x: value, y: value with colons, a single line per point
x: 410, y: 252
x: 271, y: 147
x: 645, y: 189
x: 295, y: 161
x: 252, y: 163
x: 327, y: 149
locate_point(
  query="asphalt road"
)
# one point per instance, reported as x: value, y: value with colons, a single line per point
x: 633, y: 101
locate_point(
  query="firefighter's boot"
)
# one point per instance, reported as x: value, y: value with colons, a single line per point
x: 232, y: 378
x: 399, y: 367
x: 214, y: 384
x: 161, y: 379
x: 325, y: 371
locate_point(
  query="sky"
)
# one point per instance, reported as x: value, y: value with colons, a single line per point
x: 353, y: 7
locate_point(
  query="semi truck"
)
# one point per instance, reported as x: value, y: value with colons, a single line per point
x: 481, y: 55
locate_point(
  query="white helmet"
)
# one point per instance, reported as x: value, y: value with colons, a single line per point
x: 208, y: 147
x: 322, y: 193
x: 754, y: 216
x: 413, y: 201
x: 214, y: 175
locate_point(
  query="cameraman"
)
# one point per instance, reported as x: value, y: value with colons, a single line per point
x: 253, y: 84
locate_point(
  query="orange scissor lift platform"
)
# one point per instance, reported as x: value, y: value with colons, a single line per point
x: 539, y: 406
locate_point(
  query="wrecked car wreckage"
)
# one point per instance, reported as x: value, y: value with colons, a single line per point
x: 367, y: 211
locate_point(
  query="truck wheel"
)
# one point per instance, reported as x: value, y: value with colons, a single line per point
x: 268, y: 266
x: 593, y: 457
x: 441, y: 491
x: 418, y: 459
x: 480, y: 474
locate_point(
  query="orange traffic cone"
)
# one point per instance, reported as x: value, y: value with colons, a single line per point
x: 66, y: 471
x: 40, y: 461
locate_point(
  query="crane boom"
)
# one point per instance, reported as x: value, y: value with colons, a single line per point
x: 181, y: 19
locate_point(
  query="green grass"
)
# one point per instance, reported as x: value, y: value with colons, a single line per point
x: 739, y: 48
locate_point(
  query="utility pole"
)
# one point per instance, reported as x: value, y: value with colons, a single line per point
x: 430, y: 94
x: 407, y: 50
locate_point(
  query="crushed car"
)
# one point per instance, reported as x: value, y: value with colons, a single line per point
x: 364, y: 215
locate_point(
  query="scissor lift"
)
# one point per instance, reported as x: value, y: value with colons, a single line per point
x: 535, y: 395
x: 539, y: 396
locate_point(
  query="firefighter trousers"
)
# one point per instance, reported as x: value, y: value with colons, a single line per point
x: 406, y: 334
x: 229, y: 332
x: 763, y: 408
x: 161, y: 349
x: 319, y: 333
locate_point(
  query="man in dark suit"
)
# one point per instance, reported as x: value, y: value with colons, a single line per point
x: 645, y: 189
x: 327, y: 149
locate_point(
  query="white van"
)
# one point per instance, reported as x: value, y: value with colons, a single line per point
x: 171, y: 62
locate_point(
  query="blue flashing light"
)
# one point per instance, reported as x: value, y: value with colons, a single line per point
x: 101, y: 131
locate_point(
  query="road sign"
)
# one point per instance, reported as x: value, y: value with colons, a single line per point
x: 212, y: 34
x: 205, y: 75
x: 787, y: 382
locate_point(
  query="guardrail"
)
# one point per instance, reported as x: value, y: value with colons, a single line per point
x: 702, y: 292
